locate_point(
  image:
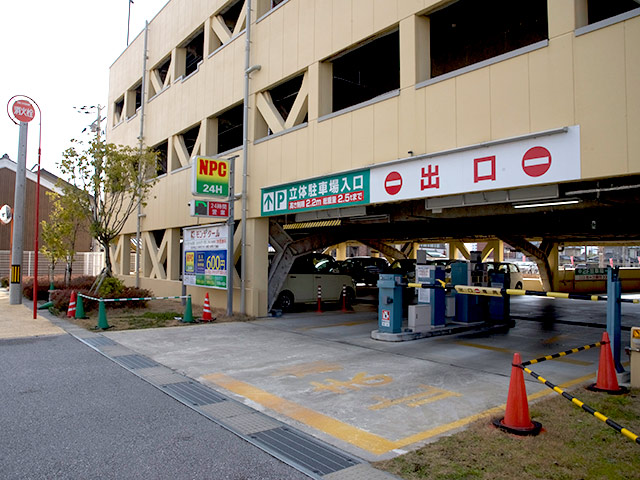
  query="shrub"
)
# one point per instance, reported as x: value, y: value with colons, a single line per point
x: 4, y: 282
x: 60, y: 299
x: 43, y: 288
x: 111, y: 288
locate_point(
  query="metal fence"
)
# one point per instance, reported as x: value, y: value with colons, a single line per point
x: 84, y: 263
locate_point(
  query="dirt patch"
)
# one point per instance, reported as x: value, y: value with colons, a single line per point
x: 156, y: 314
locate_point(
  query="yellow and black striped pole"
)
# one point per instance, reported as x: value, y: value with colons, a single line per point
x: 499, y: 292
x: 563, y: 354
x: 627, y: 433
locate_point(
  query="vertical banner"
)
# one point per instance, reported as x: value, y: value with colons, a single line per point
x: 205, y: 256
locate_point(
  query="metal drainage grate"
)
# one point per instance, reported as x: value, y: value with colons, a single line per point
x: 193, y: 393
x: 99, y: 341
x: 135, y: 361
x: 306, y: 452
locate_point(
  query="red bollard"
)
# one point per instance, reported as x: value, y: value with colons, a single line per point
x: 344, y: 298
x: 319, y: 299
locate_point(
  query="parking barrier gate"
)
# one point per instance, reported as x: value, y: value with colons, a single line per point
x: 616, y: 426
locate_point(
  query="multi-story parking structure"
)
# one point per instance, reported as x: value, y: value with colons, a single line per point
x: 386, y: 122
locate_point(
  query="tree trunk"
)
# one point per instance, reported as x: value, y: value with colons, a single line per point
x: 107, y: 259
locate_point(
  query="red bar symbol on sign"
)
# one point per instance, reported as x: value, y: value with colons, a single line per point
x: 386, y: 315
x: 393, y: 183
x: 536, y: 161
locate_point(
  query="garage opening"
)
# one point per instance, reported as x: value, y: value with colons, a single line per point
x: 598, y: 10
x: 194, y: 53
x: 469, y: 31
x: 367, y: 71
x: 230, y: 129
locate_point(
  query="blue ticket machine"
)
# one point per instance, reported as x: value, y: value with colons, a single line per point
x: 390, y: 303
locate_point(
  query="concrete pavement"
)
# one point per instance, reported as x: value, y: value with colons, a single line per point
x: 323, y: 375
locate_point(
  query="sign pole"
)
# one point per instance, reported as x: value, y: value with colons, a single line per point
x: 15, y: 287
x: 230, y: 225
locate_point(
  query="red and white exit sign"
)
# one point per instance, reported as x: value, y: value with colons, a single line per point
x: 536, y: 159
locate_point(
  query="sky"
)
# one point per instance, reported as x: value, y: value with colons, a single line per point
x: 59, y: 54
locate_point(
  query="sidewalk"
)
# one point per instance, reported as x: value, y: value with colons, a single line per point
x: 17, y: 321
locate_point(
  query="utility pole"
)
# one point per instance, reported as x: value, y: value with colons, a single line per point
x: 15, y: 287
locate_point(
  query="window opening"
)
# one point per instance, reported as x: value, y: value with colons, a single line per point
x: 598, y: 10
x: 366, y: 72
x: 469, y: 31
x: 162, y: 150
x: 163, y: 69
x: 230, y: 128
x: 138, y: 91
x: 231, y: 14
x: 194, y: 53
x: 118, y: 110
x: 284, y: 95
x: 190, y: 138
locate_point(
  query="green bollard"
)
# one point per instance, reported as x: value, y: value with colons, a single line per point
x: 188, y: 314
x: 80, y: 308
x: 102, y: 316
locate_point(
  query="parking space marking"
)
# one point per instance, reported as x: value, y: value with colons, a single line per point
x: 511, y: 352
x: 355, y: 436
x: 331, y: 325
x: 304, y: 369
x: 430, y: 395
x: 358, y: 381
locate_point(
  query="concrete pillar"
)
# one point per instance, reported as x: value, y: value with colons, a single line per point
x: 257, y: 266
x: 174, y: 252
x: 341, y: 251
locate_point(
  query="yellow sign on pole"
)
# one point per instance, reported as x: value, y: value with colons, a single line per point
x: 210, y: 177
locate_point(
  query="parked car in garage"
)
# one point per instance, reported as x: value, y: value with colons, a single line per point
x: 364, y: 269
x: 516, y: 280
x: 306, y: 274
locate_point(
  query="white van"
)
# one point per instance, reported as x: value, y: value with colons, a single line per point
x: 306, y: 274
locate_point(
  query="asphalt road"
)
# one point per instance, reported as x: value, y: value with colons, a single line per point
x: 67, y: 412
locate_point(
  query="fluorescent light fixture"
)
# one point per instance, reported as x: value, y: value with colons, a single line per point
x: 547, y: 204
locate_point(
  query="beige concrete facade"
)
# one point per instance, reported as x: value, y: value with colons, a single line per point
x: 587, y: 77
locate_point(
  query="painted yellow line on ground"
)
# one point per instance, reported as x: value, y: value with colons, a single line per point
x: 365, y: 440
x: 551, y: 340
x: 506, y: 350
x: 484, y: 347
x: 346, y: 324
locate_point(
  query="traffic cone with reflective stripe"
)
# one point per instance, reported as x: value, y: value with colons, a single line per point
x: 607, y: 381
x: 206, y: 309
x: 71, y: 312
x: 516, y: 419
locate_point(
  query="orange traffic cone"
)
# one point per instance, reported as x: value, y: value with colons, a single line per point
x: 607, y: 381
x: 516, y: 419
x: 206, y: 310
x: 71, y: 312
